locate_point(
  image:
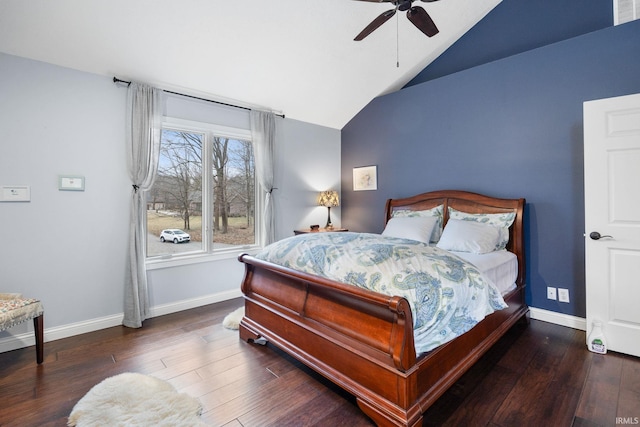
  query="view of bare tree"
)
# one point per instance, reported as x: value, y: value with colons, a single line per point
x: 220, y: 159
x: 241, y: 188
x: 180, y: 169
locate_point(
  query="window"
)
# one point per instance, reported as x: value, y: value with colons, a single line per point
x: 203, y: 199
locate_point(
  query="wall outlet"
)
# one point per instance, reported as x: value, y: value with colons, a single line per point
x: 563, y: 295
x: 551, y: 292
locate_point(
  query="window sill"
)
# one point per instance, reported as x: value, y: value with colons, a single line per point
x: 168, y: 261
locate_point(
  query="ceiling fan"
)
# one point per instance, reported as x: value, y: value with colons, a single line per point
x: 417, y: 15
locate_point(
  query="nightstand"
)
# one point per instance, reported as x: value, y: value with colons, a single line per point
x: 320, y: 230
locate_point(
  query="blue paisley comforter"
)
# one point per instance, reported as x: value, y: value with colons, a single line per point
x: 448, y: 295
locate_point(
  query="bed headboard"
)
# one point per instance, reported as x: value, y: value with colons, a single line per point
x: 471, y: 203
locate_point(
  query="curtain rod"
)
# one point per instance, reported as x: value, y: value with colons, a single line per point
x: 117, y: 80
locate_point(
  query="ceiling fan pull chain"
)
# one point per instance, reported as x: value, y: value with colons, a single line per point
x: 397, y: 43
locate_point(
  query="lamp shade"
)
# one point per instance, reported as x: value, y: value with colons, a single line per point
x: 329, y: 199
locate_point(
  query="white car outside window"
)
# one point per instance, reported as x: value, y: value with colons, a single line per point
x: 174, y: 235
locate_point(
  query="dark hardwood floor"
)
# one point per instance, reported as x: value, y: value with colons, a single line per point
x: 537, y: 375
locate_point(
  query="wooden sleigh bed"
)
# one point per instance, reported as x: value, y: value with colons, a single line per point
x: 362, y: 340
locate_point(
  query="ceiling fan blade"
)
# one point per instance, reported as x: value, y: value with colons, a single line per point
x: 381, y: 19
x: 421, y: 19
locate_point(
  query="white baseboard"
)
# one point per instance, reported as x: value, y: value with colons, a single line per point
x: 558, y: 318
x: 174, y: 307
x: 27, y: 339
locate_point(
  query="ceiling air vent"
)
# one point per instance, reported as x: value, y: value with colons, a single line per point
x: 625, y: 11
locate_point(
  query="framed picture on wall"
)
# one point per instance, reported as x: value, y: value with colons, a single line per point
x: 365, y: 178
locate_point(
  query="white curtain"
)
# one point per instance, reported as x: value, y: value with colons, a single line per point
x: 143, y: 150
x: 263, y: 129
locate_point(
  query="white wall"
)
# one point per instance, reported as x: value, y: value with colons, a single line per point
x: 68, y: 248
x: 308, y: 162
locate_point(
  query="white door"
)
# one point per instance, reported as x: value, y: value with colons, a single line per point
x: 612, y: 208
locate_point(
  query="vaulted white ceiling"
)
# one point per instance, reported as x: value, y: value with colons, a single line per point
x: 296, y: 57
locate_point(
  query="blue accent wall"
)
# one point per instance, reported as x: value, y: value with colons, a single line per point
x: 516, y: 26
x: 509, y: 128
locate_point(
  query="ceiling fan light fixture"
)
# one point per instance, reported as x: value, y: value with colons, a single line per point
x: 404, y: 5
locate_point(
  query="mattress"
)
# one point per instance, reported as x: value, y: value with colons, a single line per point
x: 500, y: 267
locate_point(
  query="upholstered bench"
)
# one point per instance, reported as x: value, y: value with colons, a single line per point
x: 15, y: 309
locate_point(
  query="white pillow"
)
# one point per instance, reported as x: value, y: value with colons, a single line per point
x: 437, y: 212
x: 411, y: 227
x: 469, y: 236
x: 501, y: 220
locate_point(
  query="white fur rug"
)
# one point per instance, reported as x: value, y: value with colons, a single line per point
x: 232, y: 320
x: 135, y: 400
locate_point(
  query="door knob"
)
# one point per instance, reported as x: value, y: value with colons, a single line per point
x: 597, y: 236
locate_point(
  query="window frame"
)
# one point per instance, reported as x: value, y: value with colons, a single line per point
x: 207, y: 252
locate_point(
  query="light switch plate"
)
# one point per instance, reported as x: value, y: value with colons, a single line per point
x: 15, y: 193
x: 70, y: 183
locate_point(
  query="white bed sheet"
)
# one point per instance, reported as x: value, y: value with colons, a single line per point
x: 501, y: 267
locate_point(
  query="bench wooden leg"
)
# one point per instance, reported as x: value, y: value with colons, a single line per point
x: 39, y: 331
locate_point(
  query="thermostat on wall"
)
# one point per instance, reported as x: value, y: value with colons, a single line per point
x: 15, y: 193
